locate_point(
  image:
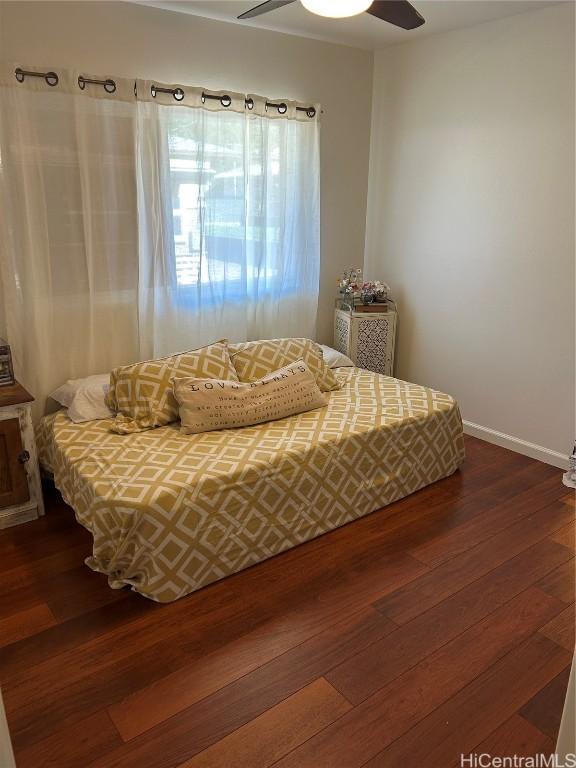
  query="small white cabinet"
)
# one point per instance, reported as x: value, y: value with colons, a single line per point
x: 367, y: 337
x: 20, y: 487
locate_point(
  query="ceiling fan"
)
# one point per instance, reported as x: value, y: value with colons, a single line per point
x: 397, y: 12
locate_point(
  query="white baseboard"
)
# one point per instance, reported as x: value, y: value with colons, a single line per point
x: 516, y: 444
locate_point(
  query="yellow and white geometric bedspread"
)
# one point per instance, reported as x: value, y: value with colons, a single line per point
x: 170, y: 513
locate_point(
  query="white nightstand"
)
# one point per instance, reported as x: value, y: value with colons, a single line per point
x: 20, y: 487
x: 367, y: 336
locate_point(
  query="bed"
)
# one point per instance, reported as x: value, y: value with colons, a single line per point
x: 170, y: 513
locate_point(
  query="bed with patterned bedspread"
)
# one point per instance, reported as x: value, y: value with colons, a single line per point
x: 170, y: 513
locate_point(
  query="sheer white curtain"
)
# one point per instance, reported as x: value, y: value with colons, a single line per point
x: 229, y: 220
x: 133, y: 226
x: 68, y: 234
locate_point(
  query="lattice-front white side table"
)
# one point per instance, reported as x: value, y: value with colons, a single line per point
x: 367, y: 337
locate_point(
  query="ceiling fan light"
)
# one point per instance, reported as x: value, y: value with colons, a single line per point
x: 336, y: 9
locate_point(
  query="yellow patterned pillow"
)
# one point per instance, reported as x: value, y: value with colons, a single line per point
x: 142, y: 396
x: 254, y: 359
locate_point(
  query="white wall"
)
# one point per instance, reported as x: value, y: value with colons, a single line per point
x: 471, y: 218
x: 136, y: 41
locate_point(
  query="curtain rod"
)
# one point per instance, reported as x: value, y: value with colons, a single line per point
x: 178, y: 94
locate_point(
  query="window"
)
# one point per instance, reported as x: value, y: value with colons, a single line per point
x: 236, y: 201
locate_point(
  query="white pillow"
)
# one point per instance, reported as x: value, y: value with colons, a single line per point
x: 85, y: 398
x: 335, y: 359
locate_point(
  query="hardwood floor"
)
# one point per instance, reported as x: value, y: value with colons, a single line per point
x: 443, y: 624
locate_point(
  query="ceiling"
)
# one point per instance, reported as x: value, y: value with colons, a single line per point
x: 361, y: 31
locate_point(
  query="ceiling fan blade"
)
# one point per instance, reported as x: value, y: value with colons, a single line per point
x: 397, y: 12
x: 268, y: 5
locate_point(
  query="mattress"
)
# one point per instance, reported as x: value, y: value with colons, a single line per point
x: 170, y: 513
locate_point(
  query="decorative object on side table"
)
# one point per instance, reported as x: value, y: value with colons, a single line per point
x: 356, y: 291
x: 374, y: 291
x: 365, y: 323
x: 20, y: 487
x: 378, y: 307
x: 349, y: 284
x: 6, y: 368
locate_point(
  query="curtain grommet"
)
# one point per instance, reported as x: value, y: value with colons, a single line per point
x: 109, y: 85
x: 51, y: 78
x: 177, y: 93
x: 224, y: 100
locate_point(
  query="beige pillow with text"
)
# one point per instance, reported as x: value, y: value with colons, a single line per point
x: 206, y: 405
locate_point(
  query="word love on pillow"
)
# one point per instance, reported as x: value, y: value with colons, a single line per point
x: 209, y: 404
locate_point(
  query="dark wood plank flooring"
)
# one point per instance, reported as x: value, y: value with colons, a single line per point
x: 443, y: 624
